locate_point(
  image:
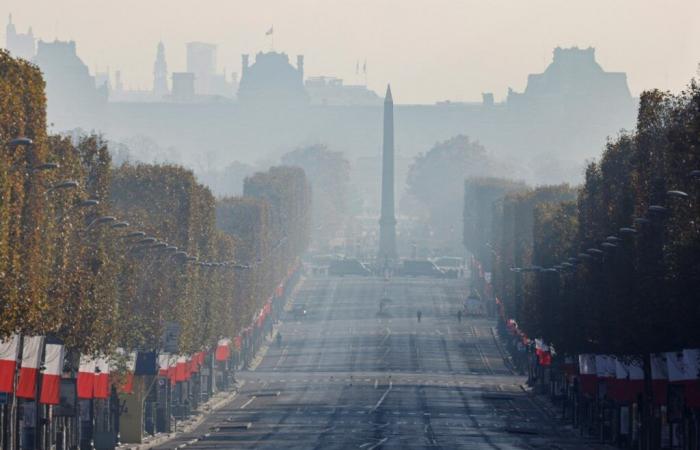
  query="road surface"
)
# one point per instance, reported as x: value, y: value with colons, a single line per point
x: 347, y: 377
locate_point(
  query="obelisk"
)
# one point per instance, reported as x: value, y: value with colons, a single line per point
x: 387, y: 222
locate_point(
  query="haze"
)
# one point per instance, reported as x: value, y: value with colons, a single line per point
x: 429, y: 50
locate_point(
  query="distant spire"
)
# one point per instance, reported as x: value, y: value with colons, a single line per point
x: 9, y: 20
x: 160, y: 72
x: 387, y: 97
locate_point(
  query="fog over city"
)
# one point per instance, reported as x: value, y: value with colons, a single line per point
x: 373, y: 224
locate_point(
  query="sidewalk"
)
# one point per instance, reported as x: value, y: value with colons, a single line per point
x: 219, y: 400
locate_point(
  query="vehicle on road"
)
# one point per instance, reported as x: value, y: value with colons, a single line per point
x: 348, y: 266
x: 299, y: 311
x: 420, y: 268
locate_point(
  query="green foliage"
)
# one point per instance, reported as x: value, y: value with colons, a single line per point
x: 328, y: 173
x: 67, y: 275
x: 639, y: 295
x: 480, y: 198
x: 436, y: 179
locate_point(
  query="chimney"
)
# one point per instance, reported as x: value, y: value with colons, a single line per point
x: 300, y: 67
x: 244, y: 65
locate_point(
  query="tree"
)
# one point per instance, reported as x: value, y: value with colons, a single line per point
x: 436, y: 179
x: 328, y: 173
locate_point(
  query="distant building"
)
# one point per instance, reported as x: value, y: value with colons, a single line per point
x: 71, y: 90
x: 545, y: 133
x: 160, y: 73
x: 331, y: 91
x: 573, y: 80
x: 183, y: 86
x: 118, y: 85
x: 201, y: 61
x: 271, y: 79
x: 20, y: 45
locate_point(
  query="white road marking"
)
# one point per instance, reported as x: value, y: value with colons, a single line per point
x: 248, y: 402
x: 381, y: 399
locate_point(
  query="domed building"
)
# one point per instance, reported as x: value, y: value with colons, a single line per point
x: 271, y: 79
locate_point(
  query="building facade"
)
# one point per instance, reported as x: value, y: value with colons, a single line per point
x: 20, y: 45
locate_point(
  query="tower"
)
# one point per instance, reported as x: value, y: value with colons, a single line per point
x: 160, y: 73
x: 387, y: 222
x: 21, y: 45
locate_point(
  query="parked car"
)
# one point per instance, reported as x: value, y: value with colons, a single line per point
x: 420, y: 268
x: 348, y: 266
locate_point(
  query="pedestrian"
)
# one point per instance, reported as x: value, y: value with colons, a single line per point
x: 419, y: 315
x: 459, y: 316
x: 279, y: 340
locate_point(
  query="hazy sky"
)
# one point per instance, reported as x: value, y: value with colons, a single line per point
x: 428, y: 49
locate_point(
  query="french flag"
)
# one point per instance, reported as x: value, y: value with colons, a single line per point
x: 128, y: 386
x: 172, y: 369
x: 51, y: 378
x: 9, y: 351
x: 659, y: 378
x: 629, y: 381
x: 163, y: 364
x: 181, y: 372
x: 544, y: 356
x: 683, y: 369
x: 29, y: 370
x: 101, y: 384
x: 223, y: 350
x: 86, y: 377
x: 587, y: 371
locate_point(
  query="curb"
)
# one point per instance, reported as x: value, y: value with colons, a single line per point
x: 187, y: 426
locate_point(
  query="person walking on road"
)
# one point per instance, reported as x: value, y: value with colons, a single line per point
x: 459, y: 316
x: 419, y: 315
x: 279, y: 340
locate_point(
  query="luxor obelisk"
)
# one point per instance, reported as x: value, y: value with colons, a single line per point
x: 387, y: 222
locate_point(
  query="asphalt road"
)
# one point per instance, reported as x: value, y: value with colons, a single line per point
x: 349, y: 377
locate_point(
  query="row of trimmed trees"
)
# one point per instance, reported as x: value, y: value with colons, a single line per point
x: 611, y: 266
x: 155, y: 250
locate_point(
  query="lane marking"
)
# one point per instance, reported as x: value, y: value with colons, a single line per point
x: 381, y: 441
x: 248, y: 402
x: 381, y: 399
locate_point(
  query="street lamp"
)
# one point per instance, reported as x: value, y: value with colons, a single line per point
x: 81, y: 204
x: 677, y: 194
x: 88, y: 202
x: 657, y: 209
x: 66, y: 184
x: 641, y: 221
x: 100, y: 221
x: 24, y: 141
x: 45, y: 166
